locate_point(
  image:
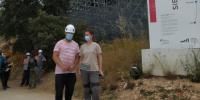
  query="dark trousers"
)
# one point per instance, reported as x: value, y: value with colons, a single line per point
x: 3, y: 80
x: 7, y: 75
x: 66, y: 81
x: 32, y: 79
x: 25, y: 79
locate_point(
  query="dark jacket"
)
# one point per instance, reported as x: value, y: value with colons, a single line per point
x: 2, y: 64
x: 32, y: 64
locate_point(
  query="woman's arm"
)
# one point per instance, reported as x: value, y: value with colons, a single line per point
x: 79, y: 63
x: 99, y: 58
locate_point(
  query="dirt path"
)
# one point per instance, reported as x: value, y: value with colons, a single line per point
x: 15, y: 93
x: 23, y: 93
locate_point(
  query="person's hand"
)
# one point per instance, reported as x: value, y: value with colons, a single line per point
x: 101, y: 73
x: 64, y: 68
x: 79, y: 72
x: 71, y: 68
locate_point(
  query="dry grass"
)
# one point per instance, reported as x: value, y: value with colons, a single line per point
x: 118, y: 57
x: 17, y: 69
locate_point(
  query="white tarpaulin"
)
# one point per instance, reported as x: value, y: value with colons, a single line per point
x: 174, y: 23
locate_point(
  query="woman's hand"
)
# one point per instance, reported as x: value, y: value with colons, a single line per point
x: 101, y: 73
x: 79, y: 72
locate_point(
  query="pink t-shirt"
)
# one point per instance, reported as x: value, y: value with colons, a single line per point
x: 67, y: 54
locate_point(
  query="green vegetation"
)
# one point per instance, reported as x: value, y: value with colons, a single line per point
x: 193, y: 69
x: 36, y: 25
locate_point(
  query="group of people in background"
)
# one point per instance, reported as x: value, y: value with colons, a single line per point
x: 33, y: 69
x: 5, y: 68
x: 70, y: 60
x: 86, y: 61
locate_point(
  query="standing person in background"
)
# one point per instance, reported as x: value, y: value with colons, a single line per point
x: 91, y: 67
x: 26, y: 73
x: 40, y: 62
x: 8, y: 64
x: 65, y: 55
x: 32, y: 64
x: 2, y: 71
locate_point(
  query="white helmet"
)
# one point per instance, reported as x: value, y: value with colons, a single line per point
x: 70, y: 28
x: 28, y: 54
x: 40, y: 51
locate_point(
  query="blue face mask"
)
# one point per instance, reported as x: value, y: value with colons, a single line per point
x: 87, y: 38
x: 69, y: 36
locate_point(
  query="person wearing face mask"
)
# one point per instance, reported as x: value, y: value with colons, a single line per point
x: 26, y: 73
x: 40, y: 62
x: 91, y: 67
x: 65, y: 55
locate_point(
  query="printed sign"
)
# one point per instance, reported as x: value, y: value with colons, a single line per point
x: 174, y: 23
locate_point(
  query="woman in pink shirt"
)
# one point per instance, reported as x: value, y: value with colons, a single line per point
x: 65, y: 55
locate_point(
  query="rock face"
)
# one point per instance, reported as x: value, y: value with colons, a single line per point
x: 111, y: 18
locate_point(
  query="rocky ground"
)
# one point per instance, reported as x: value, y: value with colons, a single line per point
x: 156, y: 88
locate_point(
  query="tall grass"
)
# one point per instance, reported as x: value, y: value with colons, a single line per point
x: 119, y: 56
x: 17, y: 60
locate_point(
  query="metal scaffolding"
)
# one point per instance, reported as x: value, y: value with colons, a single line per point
x: 105, y: 14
